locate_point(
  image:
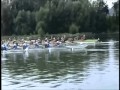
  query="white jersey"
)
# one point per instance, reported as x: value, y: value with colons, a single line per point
x: 3, y: 45
x: 46, y: 42
x: 14, y: 44
x: 24, y: 44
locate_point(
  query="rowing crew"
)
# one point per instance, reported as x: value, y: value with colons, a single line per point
x: 46, y: 44
x: 6, y: 46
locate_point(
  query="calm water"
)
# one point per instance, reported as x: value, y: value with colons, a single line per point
x: 96, y: 68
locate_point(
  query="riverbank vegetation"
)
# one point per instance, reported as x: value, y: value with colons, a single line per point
x: 32, y: 17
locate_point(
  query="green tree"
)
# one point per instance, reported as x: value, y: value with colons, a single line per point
x: 73, y: 29
x: 23, y: 17
x: 6, y: 19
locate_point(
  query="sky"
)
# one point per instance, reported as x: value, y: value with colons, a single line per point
x: 109, y: 2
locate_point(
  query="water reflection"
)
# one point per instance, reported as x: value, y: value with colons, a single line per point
x: 56, y: 69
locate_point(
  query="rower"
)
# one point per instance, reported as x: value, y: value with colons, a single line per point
x: 46, y: 44
x: 83, y: 38
x: 36, y: 44
x: 15, y: 44
x: 62, y: 40
x: 98, y: 39
x: 58, y: 43
x: 25, y: 45
x: 3, y: 47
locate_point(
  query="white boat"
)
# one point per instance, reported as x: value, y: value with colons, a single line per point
x: 54, y: 48
x: 11, y: 51
x: 88, y: 41
x: 77, y: 46
x: 27, y: 50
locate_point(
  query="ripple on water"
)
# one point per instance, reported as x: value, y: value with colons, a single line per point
x: 63, y: 70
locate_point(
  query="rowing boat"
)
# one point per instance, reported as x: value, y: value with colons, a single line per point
x: 54, y: 48
x: 77, y: 46
x: 88, y: 41
x: 11, y: 51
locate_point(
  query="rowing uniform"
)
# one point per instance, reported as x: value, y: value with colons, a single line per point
x: 58, y: 43
x: 46, y: 44
x: 25, y: 45
x: 36, y: 45
x: 4, y: 47
x: 15, y: 46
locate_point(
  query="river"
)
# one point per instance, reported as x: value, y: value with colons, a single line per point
x: 95, y: 68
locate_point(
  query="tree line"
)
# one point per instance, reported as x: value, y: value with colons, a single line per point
x: 28, y: 17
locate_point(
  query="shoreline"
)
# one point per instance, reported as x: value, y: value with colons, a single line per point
x: 67, y: 35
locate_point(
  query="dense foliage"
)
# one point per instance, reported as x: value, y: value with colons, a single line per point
x: 26, y: 17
